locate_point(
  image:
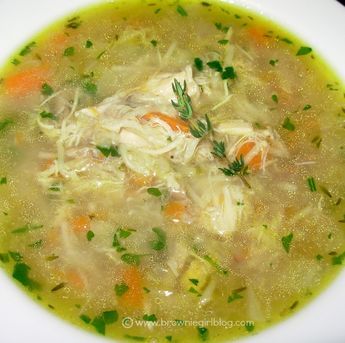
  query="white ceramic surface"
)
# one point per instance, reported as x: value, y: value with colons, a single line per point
x: 321, y: 23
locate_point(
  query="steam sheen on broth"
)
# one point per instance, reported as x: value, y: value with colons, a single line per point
x: 171, y: 163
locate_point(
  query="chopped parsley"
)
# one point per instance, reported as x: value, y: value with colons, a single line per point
x: 150, y: 317
x: 154, y: 191
x: 319, y: 257
x: 199, y: 64
x: 194, y: 291
x: 304, y: 50
x: 99, y: 324
x: 273, y: 62
x: 160, y: 242
x: 27, y: 49
x: 223, y: 41
x: 58, y: 287
x: 21, y: 273
x: 36, y: 244
x: 221, y: 27
x: 286, y: 40
x: 136, y: 338
x: 109, y: 151
x: 317, y: 140
x: 203, y: 333
x: 88, y: 44
x: 338, y: 259
x: 73, y: 23
x: 85, y: 318
x: 121, y: 289
x: 110, y: 317
x: 288, y: 124
x: 15, y: 62
x: 89, y: 87
x: 311, y: 184
x: 216, y: 265
x: 3, y: 180
x: 90, y: 235
x: 154, y: 42
x: 195, y: 282
x: 286, y: 242
x: 215, y: 65
x: 306, y: 107
x: 131, y: 259
x: 26, y: 228
x: 275, y: 98
x: 234, y: 296
x: 47, y: 89
x: 181, y: 11
x: 229, y: 73
x: 4, y: 123
x: 69, y: 51
x: 4, y: 258
x: 48, y: 115
x: 249, y: 326
x: 16, y: 256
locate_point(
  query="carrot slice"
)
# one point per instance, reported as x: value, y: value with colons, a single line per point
x: 26, y: 81
x: 244, y: 150
x: 257, y: 34
x: 175, y: 209
x: 81, y: 223
x: 74, y: 279
x: 176, y: 124
x: 134, y: 297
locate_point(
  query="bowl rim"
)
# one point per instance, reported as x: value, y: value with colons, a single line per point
x: 309, y: 20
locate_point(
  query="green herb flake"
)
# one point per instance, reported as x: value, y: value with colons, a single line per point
x: 160, y: 242
x: 121, y: 289
x: 288, y: 124
x: 215, y: 65
x: 69, y: 51
x: 184, y: 102
x: 88, y: 44
x: 15, y: 62
x: 112, y: 150
x: 338, y: 260
x: 85, y: 318
x: 205, y: 4
x: 21, y: 273
x: 90, y: 235
x: 219, y: 149
x: 73, y: 23
x: 195, y: 282
x: 194, y: 291
x: 58, y: 287
x: 201, y: 128
x: 216, y: 265
x: 48, y: 115
x: 26, y: 228
x: 286, y: 242
x: 229, y: 73
x: 198, y: 63
x: 99, y: 324
x: 273, y: 63
x: 27, y: 49
x: 110, y: 317
x: 131, y: 259
x: 146, y: 290
x: 4, y: 258
x: 16, y: 256
x: 275, y: 98
x: 36, y: 244
x: 169, y: 338
x: 203, y: 333
x: 3, y: 180
x: 223, y: 41
x: 304, y: 50
x: 249, y: 326
x: 136, y: 338
x: 90, y: 88
x: 221, y: 27
x: 154, y: 42
x: 180, y: 10
x: 311, y: 184
x: 319, y: 257
x: 150, y: 317
x: 154, y: 191
x: 4, y: 123
x: 234, y: 296
x: 306, y: 107
x: 286, y: 40
x: 47, y: 89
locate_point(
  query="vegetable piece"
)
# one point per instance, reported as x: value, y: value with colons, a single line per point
x: 21, y: 273
x: 288, y: 124
x: 74, y: 279
x: 154, y: 191
x: 175, y: 210
x: 121, y: 289
x: 237, y: 168
x: 257, y: 34
x: 180, y: 10
x: 203, y: 333
x: 134, y: 296
x: 304, y: 50
x: 3, y: 180
x: 286, y: 242
x: 160, y: 242
x: 311, y: 184
x: 109, y: 151
x: 81, y: 223
x: 244, y: 150
x: 47, y: 89
x: 202, y: 128
x: 26, y: 81
x: 199, y: 64
x: 184, y: 102
x: 90, y: 235
x: 176, y: 124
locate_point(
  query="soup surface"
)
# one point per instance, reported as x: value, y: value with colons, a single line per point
x: 171, y: 172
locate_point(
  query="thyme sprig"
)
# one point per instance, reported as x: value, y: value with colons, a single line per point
x: 201, y: 128
x: 184, y: 102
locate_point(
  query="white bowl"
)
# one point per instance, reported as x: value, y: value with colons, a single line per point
x: 320, y: 23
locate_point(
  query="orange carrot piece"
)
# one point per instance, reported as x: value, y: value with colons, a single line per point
x: 74, y: 279
x: 176, y: 124
x: 244, y: 150
x: 81, y: 223
x: 26, y: 81
x: 175, y: 209
x: 139, y: 180
x: 134, y: 297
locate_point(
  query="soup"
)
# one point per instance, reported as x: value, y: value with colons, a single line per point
x: 171, y: 172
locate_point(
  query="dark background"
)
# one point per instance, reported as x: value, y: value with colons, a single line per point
x: 342, y: 2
